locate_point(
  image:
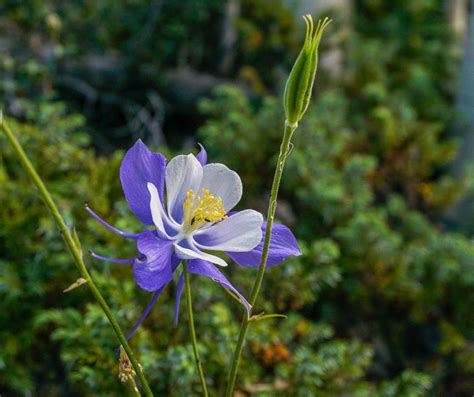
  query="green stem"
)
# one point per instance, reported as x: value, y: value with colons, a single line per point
x: 75, y: 251
x: 187, y: 286
x: 133, y: 387
x: 284, y: 151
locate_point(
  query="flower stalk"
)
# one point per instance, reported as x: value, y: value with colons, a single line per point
x: 284, y: 152
x: 74, y: 247
x: 296, y: 100
x: 187, y: 287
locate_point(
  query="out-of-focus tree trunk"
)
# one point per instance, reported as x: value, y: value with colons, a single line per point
x: 465, y: 96
x: 462, y: 20
x: 229, y: 36
x: 457, y: 11
x: 315, y: 6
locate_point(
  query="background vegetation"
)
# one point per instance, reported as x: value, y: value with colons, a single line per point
x: 381, y: 302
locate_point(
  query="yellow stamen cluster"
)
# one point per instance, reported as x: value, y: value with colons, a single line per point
x: 202, y: 208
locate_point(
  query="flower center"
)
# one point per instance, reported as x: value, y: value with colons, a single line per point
x: 202, y: 208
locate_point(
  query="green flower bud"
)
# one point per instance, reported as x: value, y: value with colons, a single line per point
x: 299, y: 86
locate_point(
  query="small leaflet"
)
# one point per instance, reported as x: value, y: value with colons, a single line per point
x: 76, y: 284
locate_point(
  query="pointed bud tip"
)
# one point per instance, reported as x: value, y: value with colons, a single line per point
x: 300, y: 82
x: 308, y: 18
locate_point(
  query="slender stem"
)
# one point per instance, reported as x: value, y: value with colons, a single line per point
x: 187, y: 286
x: 133, y: 387
x: 284, y: 151
x: 75, y: 251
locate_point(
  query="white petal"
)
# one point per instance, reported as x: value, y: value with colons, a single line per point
x: 182, y: 173
x: 160, y: 219
x: 194, y: 253
x: 223, y: 182
x: 240, y: 232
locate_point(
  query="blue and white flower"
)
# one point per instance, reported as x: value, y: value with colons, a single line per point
x: 191, y: 222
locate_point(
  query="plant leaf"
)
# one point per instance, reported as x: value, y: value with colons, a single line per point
x: 262, y: 316
x: 76, y: 284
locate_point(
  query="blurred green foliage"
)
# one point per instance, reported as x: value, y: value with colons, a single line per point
x: 379, y: 305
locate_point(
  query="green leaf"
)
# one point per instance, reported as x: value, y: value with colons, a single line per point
x: 262, y: 316
x: 80, y: 281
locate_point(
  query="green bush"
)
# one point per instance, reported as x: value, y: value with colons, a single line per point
x: 379, y: 304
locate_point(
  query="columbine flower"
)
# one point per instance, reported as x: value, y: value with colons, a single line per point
x: 191, y: 223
